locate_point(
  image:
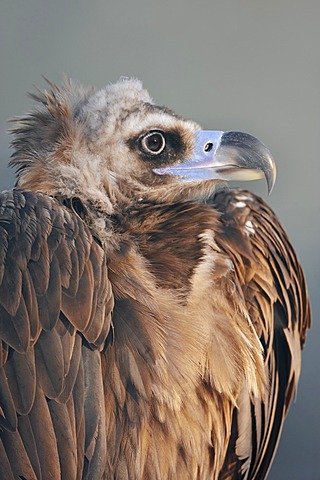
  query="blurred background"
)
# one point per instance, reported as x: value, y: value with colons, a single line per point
x: 246, y: 65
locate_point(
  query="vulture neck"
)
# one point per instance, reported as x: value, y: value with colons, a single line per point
x: 169, y: 335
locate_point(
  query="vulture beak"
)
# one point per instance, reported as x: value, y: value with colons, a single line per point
x: 225, y: 156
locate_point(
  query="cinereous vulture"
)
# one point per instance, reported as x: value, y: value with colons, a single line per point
x: 151, y: 324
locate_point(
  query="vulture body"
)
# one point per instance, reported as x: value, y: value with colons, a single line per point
x: 150, y: 324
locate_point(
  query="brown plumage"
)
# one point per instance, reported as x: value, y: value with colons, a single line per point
x: 150, y: 325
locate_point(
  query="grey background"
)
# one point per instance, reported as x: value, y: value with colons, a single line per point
x: 246, y: 65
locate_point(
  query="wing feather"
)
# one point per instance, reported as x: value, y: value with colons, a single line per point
x: 20, y: 465
x: 29, y: 443
x: 72, y: 367
x: 5, y: 468
x: 20, y: 372
x: 66, y: 440
x: 8, y: 417
x: 55, y: 313
x: 275, y: 292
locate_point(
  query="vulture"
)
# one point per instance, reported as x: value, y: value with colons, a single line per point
x: 151, y: 318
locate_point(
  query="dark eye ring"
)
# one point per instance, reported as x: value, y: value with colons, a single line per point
x: 153, y: 143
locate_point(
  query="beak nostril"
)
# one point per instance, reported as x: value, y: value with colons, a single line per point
x: 208, y: 147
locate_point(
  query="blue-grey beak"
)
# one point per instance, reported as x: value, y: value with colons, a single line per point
x: 225, y: 156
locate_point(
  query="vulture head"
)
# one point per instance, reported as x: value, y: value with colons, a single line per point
x: 114, y: 146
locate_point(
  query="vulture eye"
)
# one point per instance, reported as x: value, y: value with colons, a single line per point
x: 153, y: 143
